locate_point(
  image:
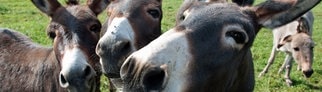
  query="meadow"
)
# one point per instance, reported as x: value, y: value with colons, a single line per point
x: 22, y: 16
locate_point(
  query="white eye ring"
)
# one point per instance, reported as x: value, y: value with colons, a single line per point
x: 230, y: 32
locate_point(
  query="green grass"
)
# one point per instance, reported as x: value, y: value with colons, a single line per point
x: 22, y: 16
x: 169, y: 8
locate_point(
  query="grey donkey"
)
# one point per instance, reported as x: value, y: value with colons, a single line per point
x: 295, y: 39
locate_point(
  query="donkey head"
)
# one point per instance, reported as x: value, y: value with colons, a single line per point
x: 75, y: 31
x: 131, y: 25
x: 209, y: 50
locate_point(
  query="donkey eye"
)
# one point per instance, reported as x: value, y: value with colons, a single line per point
x: 52, y: 35
x: 239, y: 37
x: 95, y: 28
x: 154, y: 13
x: 296, y: 49
x: 182, y: 17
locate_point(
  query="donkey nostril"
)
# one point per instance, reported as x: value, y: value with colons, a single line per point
x: 62, y: 81
x: 87, y: 71
x: 153, y: 79
x: 126, y: 45
x: 308, y: 73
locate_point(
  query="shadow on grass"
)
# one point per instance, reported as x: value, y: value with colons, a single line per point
x: 309, y: 85
x: 314, y: 87
x: 318, y: 71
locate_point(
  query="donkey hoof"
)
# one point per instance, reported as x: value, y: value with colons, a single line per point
x: 261, y: 74
x: 289, y: 82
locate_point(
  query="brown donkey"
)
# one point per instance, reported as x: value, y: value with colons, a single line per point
x: 70, y: 65
x: 131, y: 25
x: 210, y: 50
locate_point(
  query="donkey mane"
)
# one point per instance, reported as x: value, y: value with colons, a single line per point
x: 22, y: 39
x: 18, y: 42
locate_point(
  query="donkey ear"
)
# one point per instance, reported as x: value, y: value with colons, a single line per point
x: 303, y: 26
x: 47, y: 6
x: 286, y: 39
x: 275, y: 13
x: 97, y: 6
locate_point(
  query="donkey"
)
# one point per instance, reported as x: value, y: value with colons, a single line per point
x: 295, y: 39
x: 131, y: 25
x: 70, y: 65
x: 209, y: 50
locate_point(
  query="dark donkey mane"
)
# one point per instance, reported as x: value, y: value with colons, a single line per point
x: 26, y: 65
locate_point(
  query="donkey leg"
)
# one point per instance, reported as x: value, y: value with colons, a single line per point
x: 288, y: 68
x: 282, y: 67
x: 284, y: 64
x: 269, y: 62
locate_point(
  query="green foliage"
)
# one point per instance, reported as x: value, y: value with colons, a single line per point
x: 22, y: 16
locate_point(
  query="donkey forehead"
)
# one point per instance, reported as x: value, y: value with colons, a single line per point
x: 74, y: 13
x: 302, y: 39
x: 81, y: 11
x: 215, y: 6
x: 129, y: 6
x: 138, y: 3
x: 217, y: 16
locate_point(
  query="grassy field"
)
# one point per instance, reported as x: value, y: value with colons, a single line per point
x: 22, y: 16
